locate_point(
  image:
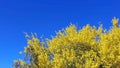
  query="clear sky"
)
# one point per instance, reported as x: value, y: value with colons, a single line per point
x: 45, y: 17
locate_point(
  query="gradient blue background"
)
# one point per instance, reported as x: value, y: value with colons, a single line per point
x: 45, y: 17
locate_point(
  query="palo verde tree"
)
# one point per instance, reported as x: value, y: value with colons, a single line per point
x: 89, y: 47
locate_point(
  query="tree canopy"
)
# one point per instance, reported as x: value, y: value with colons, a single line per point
x: 88, y: 47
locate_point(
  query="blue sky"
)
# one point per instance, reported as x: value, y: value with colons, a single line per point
x: 45, y: 17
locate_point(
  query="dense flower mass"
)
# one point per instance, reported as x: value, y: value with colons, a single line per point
x: 89, y: 47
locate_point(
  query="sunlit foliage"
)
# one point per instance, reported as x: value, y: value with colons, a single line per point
x: 88, y: 47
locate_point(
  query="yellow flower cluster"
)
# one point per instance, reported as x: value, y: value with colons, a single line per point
x: 115, y: 21
x: 89, y: 47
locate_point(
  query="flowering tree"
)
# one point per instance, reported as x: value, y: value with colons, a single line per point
x: 89, y: 47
